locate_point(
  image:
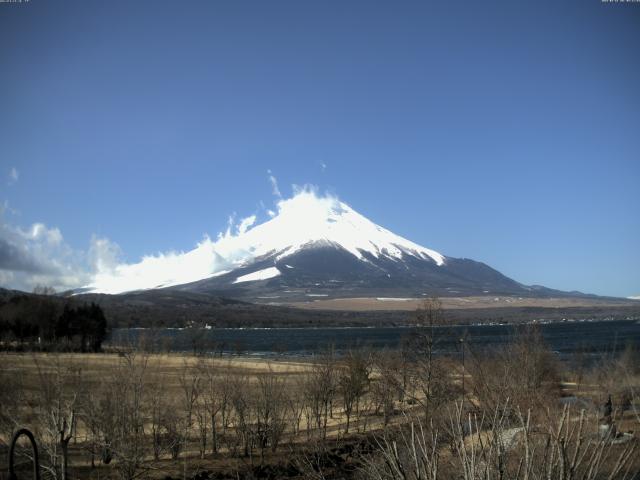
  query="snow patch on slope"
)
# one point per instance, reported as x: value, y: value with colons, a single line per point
x: 264, y: 274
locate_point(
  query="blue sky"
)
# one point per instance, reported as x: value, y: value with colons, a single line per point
x: 507, y: 132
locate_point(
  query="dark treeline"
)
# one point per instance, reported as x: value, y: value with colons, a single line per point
x: 170, y: 308
x: 45, y: 322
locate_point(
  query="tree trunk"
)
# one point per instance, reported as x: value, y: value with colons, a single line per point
x: 214, y: 435
x: 65, y: 447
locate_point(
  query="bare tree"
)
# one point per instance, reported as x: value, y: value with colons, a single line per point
x: 430, y: 376
x: 12, y: 395
x: 411, y: 454
x: 270, y: 411
x: 320, y: 389
x: 295, y: 399
x: 122, y: 414
x: 89, y: 415
x: 352, y: 382
x: 385, y: 388
x: 190, y: 385
x: 242, y: 411
x: 618, y: 375
x: 523, y: 370
x: 56, y: 406
x: 490, y: 448
x: 215, y: 396
x: 159, y: 412
x: 202, y: 413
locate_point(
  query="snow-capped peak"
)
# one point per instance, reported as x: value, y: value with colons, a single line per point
x: 303, y: 221
x: 307, y: 219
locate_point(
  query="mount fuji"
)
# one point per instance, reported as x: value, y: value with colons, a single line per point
x: 313, y: 247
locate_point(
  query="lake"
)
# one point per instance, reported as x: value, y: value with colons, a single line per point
x: 591, y: 338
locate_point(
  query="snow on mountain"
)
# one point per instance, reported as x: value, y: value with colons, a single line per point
x: 303, y: 221
x: 264, y: 274
x: 306, y: 219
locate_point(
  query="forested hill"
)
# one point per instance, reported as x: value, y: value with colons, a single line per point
x: 49, y: 322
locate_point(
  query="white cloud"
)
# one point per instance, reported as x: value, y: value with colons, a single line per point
x: 38, y: 255
x: 164, y: 269
x: 245, y: 224
x: 237, y: 228
x: 230, y: 223
x: 209, y: 258
x: 40, y: 232
x: 14, y: 175
x: 104, y: 255
x: 323, y: 166
x: 274, y: 185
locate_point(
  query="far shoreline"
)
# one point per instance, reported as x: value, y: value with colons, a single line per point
x: 402, y: 326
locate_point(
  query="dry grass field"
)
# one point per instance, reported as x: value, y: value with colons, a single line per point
x: 498, y: 301
x: 178, y: 394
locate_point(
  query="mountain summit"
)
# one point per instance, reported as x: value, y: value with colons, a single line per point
x: 306, y: 221
x: 312, y: 247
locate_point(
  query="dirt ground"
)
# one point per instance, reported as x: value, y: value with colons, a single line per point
x: 409, y: 304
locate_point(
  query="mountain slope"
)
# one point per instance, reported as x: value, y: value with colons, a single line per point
x: 328, y: 271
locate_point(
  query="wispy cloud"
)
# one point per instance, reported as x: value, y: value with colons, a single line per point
x: 323, y: 166
x: 245, y: 224
x: 5, y: 207
x: 14, y: 175
x: 104, y: 255
x: 274, y: 185
x: 235, y: 227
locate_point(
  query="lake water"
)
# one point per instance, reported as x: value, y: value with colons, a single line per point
x: 591, y: 338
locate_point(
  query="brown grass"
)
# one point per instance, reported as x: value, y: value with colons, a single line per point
x: 96, y: 368
x: 409, y: 304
